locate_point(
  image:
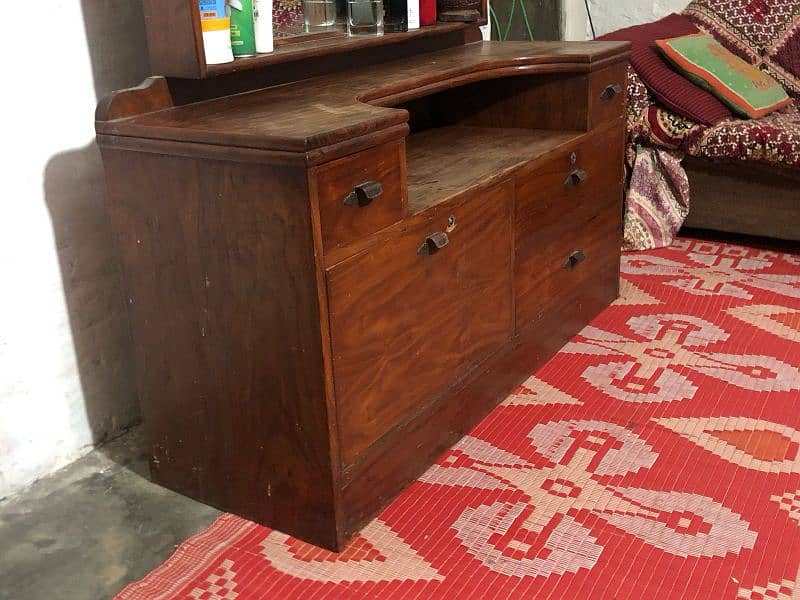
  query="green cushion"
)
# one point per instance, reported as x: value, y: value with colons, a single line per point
x: 747, y: 90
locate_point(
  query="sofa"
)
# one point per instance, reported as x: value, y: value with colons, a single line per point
x: 693, y: 162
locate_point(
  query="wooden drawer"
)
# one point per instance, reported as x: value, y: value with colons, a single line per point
x: 405, y: 325
x: 607, y: 92
x: 345, y: 218
x: 566, y: 230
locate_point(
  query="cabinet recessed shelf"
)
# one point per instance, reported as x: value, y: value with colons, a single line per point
x: 447, y: 160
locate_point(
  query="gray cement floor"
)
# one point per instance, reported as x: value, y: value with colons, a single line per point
x: 93, y: 527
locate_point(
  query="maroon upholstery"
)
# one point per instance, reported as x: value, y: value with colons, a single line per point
x: 737, y: 24
x: 783, y: 46
x: 787, y: 53
x: 671, y: 89
x: 772, y: 139
x: 764, y: 32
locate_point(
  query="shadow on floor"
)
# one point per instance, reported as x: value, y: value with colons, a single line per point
x: 93, y: 527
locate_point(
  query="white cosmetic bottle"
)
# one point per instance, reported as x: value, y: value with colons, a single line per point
x: 262, y: 16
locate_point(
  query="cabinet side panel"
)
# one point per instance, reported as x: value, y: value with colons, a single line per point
x: 220, y: 267
x: 174, y: 38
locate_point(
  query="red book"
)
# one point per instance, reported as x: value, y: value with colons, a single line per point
x: 427, y: 12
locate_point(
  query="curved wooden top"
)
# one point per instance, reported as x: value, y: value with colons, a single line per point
x: 314, y: 113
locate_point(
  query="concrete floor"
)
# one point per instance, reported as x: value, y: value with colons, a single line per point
x: 93, y: 527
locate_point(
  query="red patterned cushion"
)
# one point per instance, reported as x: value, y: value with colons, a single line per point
x: 748, y: 90
x: 666, y: 85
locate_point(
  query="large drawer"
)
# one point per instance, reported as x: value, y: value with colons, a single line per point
x: 568, y: 222
x: 361, y: 194
x: 408, y: 319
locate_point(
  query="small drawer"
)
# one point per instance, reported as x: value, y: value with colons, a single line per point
x: 411, y: 315
x: 607, y: 92
x: 570, y: 263
x: 568, y: 222
x: 361, y: 194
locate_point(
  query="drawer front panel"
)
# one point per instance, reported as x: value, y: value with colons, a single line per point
x: 361, y: 194
x: 566, y: 228
x: 607, y: 93
x: 406, y: 320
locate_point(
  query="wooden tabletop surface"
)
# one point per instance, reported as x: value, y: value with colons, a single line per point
x: 315, y: 113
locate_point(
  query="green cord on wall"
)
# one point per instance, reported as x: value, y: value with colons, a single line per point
x: 502, y: 35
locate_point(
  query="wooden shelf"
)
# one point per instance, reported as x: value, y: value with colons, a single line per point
x: 175, y: 42
x: 337, y: 43
x: 448, y: 160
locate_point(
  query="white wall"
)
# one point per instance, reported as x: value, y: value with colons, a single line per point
x: 610, y: 15
x: 65, y: 359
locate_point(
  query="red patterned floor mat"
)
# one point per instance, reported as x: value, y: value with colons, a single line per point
x: 656, y: 456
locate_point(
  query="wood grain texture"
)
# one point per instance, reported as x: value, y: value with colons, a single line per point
x: 175, y: 42
x: 174, y: 38
x: 529, y: 102
x: 188, y: 91
x: 151, y: 95
x: 338, y: 43
x: 398, y: 317
x: 403, y: 456
x: 603, y: 109
x: 340, y: 223
x: 445, y: 161
x: 226, y: 323
x: 553, y: 220
x: 314, y: 113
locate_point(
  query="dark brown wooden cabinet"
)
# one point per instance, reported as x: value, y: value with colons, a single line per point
x: 332, y: 280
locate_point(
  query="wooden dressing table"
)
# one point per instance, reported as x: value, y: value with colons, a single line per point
x: 332, y: 280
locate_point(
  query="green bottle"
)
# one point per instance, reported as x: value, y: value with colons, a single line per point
x: 243, y: 34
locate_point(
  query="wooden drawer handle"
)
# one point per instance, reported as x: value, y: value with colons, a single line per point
x: 433, y: 243
x: 611, y: 92
x: 577, y: 177
x: 363, y: 194
x: 574, y: 259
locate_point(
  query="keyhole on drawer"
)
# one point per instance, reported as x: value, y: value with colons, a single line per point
x: 573, y: 158
x: 451, y: 223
